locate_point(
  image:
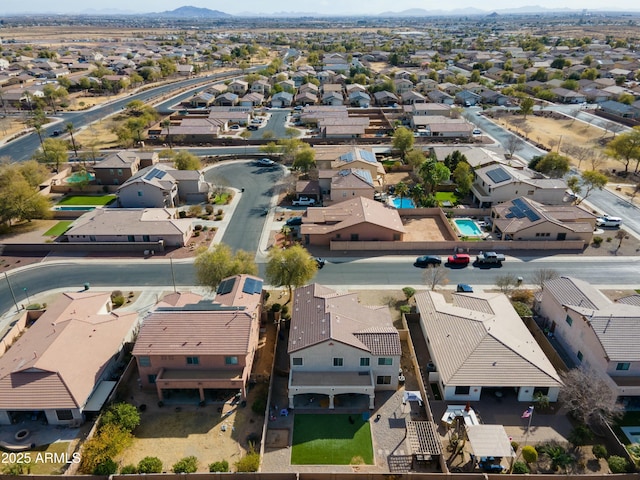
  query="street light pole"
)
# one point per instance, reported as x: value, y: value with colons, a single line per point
x: 26, y: 293
x: 11, y: 290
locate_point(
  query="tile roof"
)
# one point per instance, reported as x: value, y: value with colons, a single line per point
x: 129, y: 221
x: 319, y: 314
x: 57, y: 361
x: 479, y: 339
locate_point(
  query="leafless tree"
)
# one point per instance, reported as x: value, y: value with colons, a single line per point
x: 579, y: 153
x: 512, y: 145
x: 540, y: 276
x: 434, y: 276
x: 596, y: 160
x: 616, y: 128
x: 507, y: 283
x: 620, y: 236
x: 526, y: 129
x: 589, y: 398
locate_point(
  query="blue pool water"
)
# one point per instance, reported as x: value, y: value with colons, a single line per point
x: 468, y: 227
x: 66, y: 208
x: 632, y: 433
x: 403, y: 202
x: 78, y: 177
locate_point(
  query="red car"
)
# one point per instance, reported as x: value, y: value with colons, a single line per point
x: 459, y: 259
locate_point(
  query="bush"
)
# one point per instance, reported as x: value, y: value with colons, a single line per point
x: 276, y: 307
x: 209, y: 210
x: 195, y: 210
x: 529, y: 454
x: 123, y: 415
x: 597, y: 241
x: 580, y: 435
x: 250, y: 462
x: 405, y: 309
x: 524, y: 296
x: 182, y: 214
x: 150, y: 465
x: 106, y: 467
x: 220, y: 211
x: 599, y: 451
x: 107, y: 443
x: 129, y: 470
x: 197, y: 227
x: 118, y: 301
x: 222, y: 466
x: 520, y: 468
x: 515, y: 445
x: 408, y: 292
x: 617, y: 464
x: 522, y: 309
x: 186, y: 465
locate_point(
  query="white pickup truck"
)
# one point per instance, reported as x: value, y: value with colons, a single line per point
x: 304, y: 201
x: 489, y: 258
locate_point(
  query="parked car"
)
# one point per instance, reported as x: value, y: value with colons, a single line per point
x: 489, y: 259
x: 304, y: 201
x: 608, y: 221
x: 320, y: 262
x: 477, y: 131
x: 56, y: 133
x: 265, y: 162
x: 252, y: 127
x: 463, y: 287
x: 427, y: 260
x: 293, y: 222
x: 459, y: 259
x: 235, y: 127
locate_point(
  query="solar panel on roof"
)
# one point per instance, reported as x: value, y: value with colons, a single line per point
x: 226, y: 286
x: 526, y: 210
x: 150, y: 174
x: 368, y: 156
x: 251, y: 286
x: 498, y: 175
x: 160, y: 174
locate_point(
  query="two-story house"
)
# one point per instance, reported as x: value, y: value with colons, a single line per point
x: 117, y: 168
x: 339, y: 347
x: 188, y: 343
x: 595, y: 332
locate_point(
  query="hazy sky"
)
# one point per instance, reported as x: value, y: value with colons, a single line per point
x: 320, y: 6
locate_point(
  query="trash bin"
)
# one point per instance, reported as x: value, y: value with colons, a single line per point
x: 86, y: 286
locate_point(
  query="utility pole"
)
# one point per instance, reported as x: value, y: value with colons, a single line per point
x: 12, y: 294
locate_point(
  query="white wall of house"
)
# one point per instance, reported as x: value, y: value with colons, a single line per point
x: 144, y: 195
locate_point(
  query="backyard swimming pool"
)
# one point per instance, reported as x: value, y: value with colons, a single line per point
x: 65, y: 208
x: 468, y: 227
x: 632, y: 433
x: 79, y: 177
x: 402, y: 202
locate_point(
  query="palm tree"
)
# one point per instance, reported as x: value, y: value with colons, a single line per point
x: 402, y: 189
x: 417, y: 193
x: 166, y: 123
x: 68, y: 127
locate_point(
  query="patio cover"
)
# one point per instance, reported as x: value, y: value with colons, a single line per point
x: 99, y: 396
x: 489, y: 441
x: 423, y: 438
x: 412, y: 396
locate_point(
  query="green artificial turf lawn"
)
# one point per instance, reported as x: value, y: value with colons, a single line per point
x: 330, y: 439
x: 446, y: 196
x: 97, y: 200
x: 58, y: 229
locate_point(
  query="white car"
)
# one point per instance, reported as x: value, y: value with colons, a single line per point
x: 304, y: 201
x: 477, y: 131
x: 608, y: 221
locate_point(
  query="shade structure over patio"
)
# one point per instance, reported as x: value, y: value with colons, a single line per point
x: 412, y: 396
x: 489, y: 441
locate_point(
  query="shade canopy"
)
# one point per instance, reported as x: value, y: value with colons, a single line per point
x: 489, y: 441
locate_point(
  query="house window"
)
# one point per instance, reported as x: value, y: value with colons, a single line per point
x: 230, y: 360
x: 623, y: 366
x: 131, y: 238
x: 145, y: 238
x: 383, y: 380
x: 139, y: 193
x: 297, y: 361
x: 354, y: 237
x: 193, y: 360
x: 580, y: 356
x: 569, y: 320
x: 151, y: 378
x: 396, y: 237
x: 338, y: 362
x: 119, y: 172
x: 530, y: 192
x: 462, y: 390
x: 364, y: 361
x: 385, y: 361
x: 144, y: 361
x: 64, y: 414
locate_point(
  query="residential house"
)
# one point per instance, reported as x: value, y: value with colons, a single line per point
x: 306, y: 98
x: 184, y: 70
x: 467, y: 98
x: 148, y: 225
x: 227, y: 99
x: 481, y: 348
x: 117, y: 168
x: 261, y: 86
x: 193, y: 130
x: 564, y: 95
x: 340, y: 185
x: 500, y: 183
x: 240, y: 115
x: 345, y: 157
x: 251, y: 100
x: 596, y: 333
x: 385, y: 99
x: 356, y: 219
x: 237, y: 86
x: 525, y: 219
x: 360, y: 99
x: 281, y: 100
x: 191, y: 344
x: 437, y: 96
x: 332, y: 98
x: 338, y: 347
x: 618, y: 109
x: 202, y: 100
x: 412, y: 97
x: 62, y: 366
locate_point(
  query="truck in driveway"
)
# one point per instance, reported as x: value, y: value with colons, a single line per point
x: 489, y: 259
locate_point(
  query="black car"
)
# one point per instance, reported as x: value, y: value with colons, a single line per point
x: 293, y: 222
x: 320, y: 262
x: 426, y: 260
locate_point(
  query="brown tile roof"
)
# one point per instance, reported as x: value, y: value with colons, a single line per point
x: 57, y: 361
x: 320, y: 314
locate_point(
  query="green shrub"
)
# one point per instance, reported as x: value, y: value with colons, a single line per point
x: 182, y: 214
x: 106, y: 467
x: 195, y: 210
x: 196, y: 233
x: 129, y: 470
x: 198, y: 227
x: 405, y: 309
x: 107, y: 443
x: 118, y: 301
x: 276, y: 307
x: 617, y: 464
x: 522, y: 309
x: 529, y: 454
x: 209, y: 210
x: 186, y: 465
x: 599, y: 451
x: 123, y: 415
x: 220, y: 211
x: 609, y: 239
x: 515, y: 445
x: 597, y: 241
x: 250, y: 462
x: 520, y: 468
x: 408, y: 292
x: 150, y: 465
x: 580, y: 435
x: 284, y: 310
x: 222, y: 466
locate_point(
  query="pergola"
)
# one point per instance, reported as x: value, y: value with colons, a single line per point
x: 424, y: 442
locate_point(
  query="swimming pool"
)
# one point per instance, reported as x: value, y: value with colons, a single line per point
x: 403, y: 202
x: 79, y: 177
x: 65, y: 208
x: 468, y: 227
x: 632, y: 433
